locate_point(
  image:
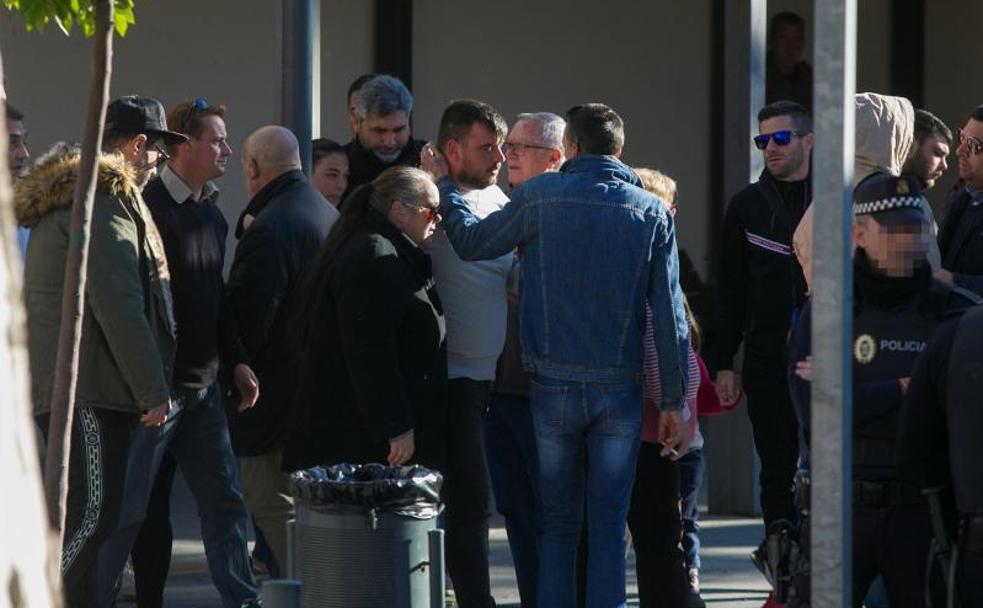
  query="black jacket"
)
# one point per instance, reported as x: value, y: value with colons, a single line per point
x: 961, y: 240
x: 364, y: 166
x: 760, y: 281
x: 266, y: 271
x: 375, y: 363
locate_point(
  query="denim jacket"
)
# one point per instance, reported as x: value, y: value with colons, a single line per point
x: 594, y: 246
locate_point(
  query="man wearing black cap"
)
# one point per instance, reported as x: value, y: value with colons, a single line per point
x: 127, y: 349
x: 897, y: 307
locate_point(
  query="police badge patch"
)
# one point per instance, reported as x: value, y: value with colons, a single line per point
x: 864, y: 349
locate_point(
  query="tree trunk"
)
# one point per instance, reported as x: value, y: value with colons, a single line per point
x: 66, y: 370
x: 28, y: 572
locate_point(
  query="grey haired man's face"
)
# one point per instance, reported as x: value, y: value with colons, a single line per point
x: 385, y: 136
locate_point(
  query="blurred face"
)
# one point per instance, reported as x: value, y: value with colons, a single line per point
x: 929, y: 160
x: 330, y: 177
x: 970, y: 153
x: 17, y: 152
x: 208, y: 154
x: 526, y: 156
x: 474, y: 161
x: 786, y: 45
x: 384, y: 136
x: 789, y: 162
x: 418, y: 220
x: 144, y: 156
x: 894, y: 250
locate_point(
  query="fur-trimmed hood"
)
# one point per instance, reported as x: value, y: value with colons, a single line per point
x: 50, y: 183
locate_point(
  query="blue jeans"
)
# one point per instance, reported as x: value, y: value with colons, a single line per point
x: 197, y: 435
x: 514, y: 469
x: 576, y: 422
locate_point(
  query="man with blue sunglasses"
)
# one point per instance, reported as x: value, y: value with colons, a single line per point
x: 760, y: 286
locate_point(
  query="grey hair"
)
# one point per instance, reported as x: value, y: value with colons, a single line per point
x: 382, y: 96
x: 550, y: 127
x: 403, y: 185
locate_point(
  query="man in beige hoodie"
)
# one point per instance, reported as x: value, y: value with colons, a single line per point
x: 885, y: 127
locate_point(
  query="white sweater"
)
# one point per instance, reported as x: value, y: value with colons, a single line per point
x: 473, y: 296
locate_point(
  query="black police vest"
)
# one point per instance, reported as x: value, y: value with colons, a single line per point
x: 885, y: 346
x: 964, y: 412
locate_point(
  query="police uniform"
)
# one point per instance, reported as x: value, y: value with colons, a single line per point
x: 894, y: 317
x: 940, y: 443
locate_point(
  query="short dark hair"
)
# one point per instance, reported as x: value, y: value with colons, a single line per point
x: 13, y: 113
x: 801, y: 119
x: 357, y: 84
x: 596, y: 129
x: 785, y: 18
x: 977, y: 114
x: 927, y: 124
x: 183, y: 118
x: 323, y: 147
x: 461, y: 114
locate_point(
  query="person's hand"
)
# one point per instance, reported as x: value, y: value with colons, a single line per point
x: 728, y: 385
x: 247, y: 221
x: 247, y: 385
x: 673, y: 434
x: 401, y: 449
x: 903, y: 383
x: 433, y: 162
x: 941, y: 274
x: 803, y: 369
x: 156, y: 416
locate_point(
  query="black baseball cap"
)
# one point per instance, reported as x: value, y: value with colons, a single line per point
x: 891, y: 200
x: 136, y: 114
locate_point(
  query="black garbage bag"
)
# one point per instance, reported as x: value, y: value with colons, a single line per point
x: 413, y: 491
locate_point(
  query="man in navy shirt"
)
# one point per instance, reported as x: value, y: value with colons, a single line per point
x: 182, y: 200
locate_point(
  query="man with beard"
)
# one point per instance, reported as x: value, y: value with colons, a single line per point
x: 761, y: 284
x: 473, y: 294
x: 17, y: 157
x: 126, y: 356
x: 897, y: 308
x: 383, y: 106
x: 933, y: 140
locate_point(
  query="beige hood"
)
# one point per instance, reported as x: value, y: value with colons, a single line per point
x: 885, y: 134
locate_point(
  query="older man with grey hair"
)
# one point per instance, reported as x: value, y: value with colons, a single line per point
x: 292, y: 220
x: 383, y: 106
x: 534, y: 146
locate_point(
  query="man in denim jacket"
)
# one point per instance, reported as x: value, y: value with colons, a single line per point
x: 596, y: 248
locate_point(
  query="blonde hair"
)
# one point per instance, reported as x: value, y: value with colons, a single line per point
x: 659, y: 184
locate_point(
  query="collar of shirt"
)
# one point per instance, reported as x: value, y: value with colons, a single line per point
x: 179, y: 191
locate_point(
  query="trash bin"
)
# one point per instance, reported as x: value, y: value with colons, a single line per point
x: 366, y: 536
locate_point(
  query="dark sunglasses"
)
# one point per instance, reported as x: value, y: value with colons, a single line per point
x: 162, y: 156
x: 430, y: 212
x: 972, y: 144
x: 781, y: 138
x: 197, y: 105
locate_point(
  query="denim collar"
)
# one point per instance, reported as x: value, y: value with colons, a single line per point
x: 605, y: 167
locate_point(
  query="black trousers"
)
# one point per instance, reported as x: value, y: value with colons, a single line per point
x: 96, y: 477
x: 893, y: 541
x: 969, y: 577
x: 466, y: 493
x: 151, y: 553
x: 655, y: 522
x: 776, y: 437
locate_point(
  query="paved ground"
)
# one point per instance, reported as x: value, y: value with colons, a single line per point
x: 728, y: 577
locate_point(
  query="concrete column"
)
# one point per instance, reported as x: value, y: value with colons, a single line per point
x: 301, y: 81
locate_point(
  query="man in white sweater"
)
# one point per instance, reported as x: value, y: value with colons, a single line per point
x: 474, y: 298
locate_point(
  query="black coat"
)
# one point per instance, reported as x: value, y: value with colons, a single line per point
x: 364, y: 166
x: 268, y: 267
x: 375, y: 363
x: 961, y: 240
x: 760, y: 280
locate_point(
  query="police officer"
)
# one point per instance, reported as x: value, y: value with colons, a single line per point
x: 940, y: 446
x: 897, y: 307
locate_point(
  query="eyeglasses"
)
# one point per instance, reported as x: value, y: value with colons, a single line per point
x: 781, y: 138
x: 972, y: 144
x: 197, y: 105
x: 431, y: 213
x: 162, y: 156
x: 520, y: 148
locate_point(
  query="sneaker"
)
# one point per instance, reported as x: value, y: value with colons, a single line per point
x: 771, y: 602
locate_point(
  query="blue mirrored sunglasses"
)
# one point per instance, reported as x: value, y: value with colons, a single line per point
x: 781, y: 138
x: 197, y: 105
